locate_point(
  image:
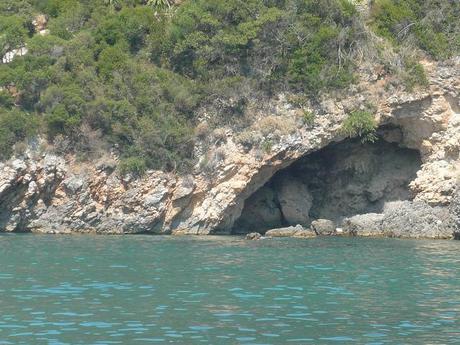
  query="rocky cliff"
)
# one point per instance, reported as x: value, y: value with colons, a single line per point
x: 406, y: 194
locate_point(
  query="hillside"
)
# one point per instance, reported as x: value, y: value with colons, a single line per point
x: 146, y: 80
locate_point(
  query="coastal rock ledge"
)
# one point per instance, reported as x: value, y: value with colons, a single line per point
x: 405, y: 184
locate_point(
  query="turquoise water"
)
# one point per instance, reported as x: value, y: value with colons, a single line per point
x: 224, y: 290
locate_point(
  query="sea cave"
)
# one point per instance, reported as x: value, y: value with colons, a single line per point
x: 343, y: 179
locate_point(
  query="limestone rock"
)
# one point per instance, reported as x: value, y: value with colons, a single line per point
x: 417, y: 220
x: 454, y: 210
x: 323, y: 227
x: 369, y: 224
x: 290, y: 231
x: 295, y: 200
x: 40, y: 22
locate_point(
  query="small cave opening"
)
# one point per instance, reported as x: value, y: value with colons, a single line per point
x: 341, y: 180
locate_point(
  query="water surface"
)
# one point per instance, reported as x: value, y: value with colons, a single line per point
x: 224, y: 290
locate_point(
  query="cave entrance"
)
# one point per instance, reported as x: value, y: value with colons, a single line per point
x: 341, y: 180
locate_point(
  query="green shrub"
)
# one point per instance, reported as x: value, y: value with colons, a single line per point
x: 362, y: 124
x: 13, y: 33
x: 433, y: 24
x: 6, y: 100
x: 308, y: 118
x: 267, y: 146
x: 15, y: 126
x: 132, y: 165
x: 248, y: 138
x: 414, y: 74
x: 111, y: 60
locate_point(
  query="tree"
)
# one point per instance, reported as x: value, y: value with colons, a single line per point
x: 12, y: 33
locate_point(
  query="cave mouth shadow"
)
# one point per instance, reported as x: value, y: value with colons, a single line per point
x: 341, y: 180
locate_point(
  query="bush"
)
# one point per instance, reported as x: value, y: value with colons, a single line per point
x: 111, y: 60
x: 13, y: 33
x: 6, y: 99
x: 414, y: 74
x: 132, y: 165
x: 267, y: 146
x: 202, y: 130
x: 308, y: 118
x: 15, y: 126
x: 432, y: 24
x: 362, y: 124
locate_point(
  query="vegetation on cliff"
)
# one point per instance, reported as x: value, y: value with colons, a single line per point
x: 132, y: 74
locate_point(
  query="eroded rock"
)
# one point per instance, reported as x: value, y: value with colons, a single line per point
x: 291, y: 231
x: 367, y: 225
x: 295, y: 200
x: 323, y: 227
x: 417, y: 220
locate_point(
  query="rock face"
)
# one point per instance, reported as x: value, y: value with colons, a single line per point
x: 350, y: 177
x: 408, y: 193
x: 454, y: 211
x: 295, y: 200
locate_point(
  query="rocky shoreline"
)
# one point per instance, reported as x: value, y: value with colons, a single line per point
x: 44, y: 192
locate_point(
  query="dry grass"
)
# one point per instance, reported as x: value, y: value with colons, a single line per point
x: 275, y: 126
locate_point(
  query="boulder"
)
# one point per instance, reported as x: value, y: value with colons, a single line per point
x: 324, y: 227
x: 253, y: 236
x: 369, y: 225
x: 417, y: 220
x: 290, y: 231
x: 294, y: 199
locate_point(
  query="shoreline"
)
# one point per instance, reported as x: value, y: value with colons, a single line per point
x: 210, y: 236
